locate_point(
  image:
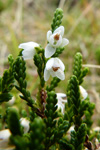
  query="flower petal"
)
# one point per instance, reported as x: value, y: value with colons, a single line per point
x: 5, y: 134
x: 55, y: 43
x: 61, y: 106
x: 28, y: 54
x: 60, y: 74
x: 23, y: 45
x: 53, y: 74
x: 29, y: 49
x: 25, y: 123
x: 56, y: 62
x: 46, y: 74
x: 60, y: 30
x: 49, y: 51
x: 49, y: 33
x: 28, y: 45
x: 50, y: 63
x: 62, y: 95
x: 59, y: 63
x: 83, y: 92
x: 64, y: 42
x: 71, y: 129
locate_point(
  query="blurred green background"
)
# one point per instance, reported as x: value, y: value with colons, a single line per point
x: 29, y: 20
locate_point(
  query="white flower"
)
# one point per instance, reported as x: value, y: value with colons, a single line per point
x: 70, y: 130
x: 55, y: 68
x: 12, y: 101
x: 55, y: 40
x: 61, y: 101
x: 83, y: 92
x: 4, y: 140
x: 5, y: 134
x: 25, y: 123
x: 96, y: 129
x: 29, y: 49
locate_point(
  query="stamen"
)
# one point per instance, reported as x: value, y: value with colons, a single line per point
x: 55, y: 68
x: 56, y: 37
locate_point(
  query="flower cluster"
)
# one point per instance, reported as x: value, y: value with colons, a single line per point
x: 54, y: 66
x: 53, y: 120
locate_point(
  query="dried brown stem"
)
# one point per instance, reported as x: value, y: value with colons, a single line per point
x: 88, y: 144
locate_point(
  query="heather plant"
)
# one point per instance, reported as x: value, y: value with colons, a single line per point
x: 54, y: 120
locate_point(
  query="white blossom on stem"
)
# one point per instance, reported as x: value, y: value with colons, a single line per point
x: 25, y: 123
x: 55, y: 40
x: 5, y: 134
x: 5, y: 139
x: 61, y: 101
x: 28, y: 49
x: 55, y: 68
x: 83, y: 92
